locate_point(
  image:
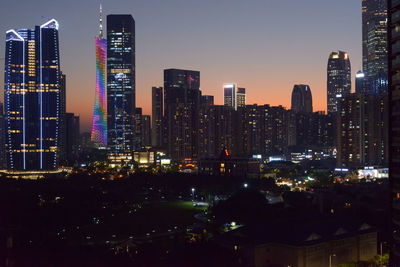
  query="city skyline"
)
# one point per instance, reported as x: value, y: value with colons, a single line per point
x: 258, y: 64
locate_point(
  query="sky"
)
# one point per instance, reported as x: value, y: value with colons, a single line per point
x: 266, y: 46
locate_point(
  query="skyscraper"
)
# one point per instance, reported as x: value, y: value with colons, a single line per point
x: 302, y: 98
x: 339, y: 78
x: 32, y: 97
x: 360, y: 82
x: 230, y: 90
x: 157, y: 117
x: 72, y: 128
x: 99, y: 121
x: 181, y: 110
x: 394, y: 122
x: 241, y: 97
x: 374, y: 41
x: 120, y: 83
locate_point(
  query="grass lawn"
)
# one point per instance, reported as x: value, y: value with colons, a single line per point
x: 157, y: 216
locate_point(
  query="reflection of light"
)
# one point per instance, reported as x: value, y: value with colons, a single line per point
x: 360, y: 75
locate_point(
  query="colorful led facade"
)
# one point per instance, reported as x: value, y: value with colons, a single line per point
x: 32, y: 98
x: 99, y: 122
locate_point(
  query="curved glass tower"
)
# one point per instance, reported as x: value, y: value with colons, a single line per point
x: 99, y: 122
x: 32, y: 97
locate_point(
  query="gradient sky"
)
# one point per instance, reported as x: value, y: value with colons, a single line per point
x: 266, y: 46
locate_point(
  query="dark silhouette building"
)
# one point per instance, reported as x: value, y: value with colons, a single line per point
x: 121, y: 71
x: 72, y: 140
x: 302, y: 98
x: 32, y: 98
x: 394, y: 127
x: 339, y: 79
x: 157, y: 117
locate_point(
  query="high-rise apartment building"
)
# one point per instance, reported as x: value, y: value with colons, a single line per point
x: 374, y: 44
x: 32, y: 97
x: 182, y: 98
x: 339, y: 79
x: 99, y: 120
x: 120, y: 83
x: 157, y: 117
x: 72, y: 144
x: 302, y: 98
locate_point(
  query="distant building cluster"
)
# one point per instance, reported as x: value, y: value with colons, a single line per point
x: 186, y: 125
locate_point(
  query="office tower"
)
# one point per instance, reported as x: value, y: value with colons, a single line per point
x: 62, y: 112
x: 3, y: 161
x: 230, y: 95
x: 360, y: 82
x: 207, y: 100
x: 72, y: 143
x: 302, y: 98
x: 146, y: 130
x: 142, y: 130
x: 120, y: 84
x: 32, y: 97
x: 339, y: 78
x: 99, y: 120
x: 157, y: 117
x: 181, y: 110
x: 394, y: 122
x: 374, y: 42
x: 241, y: 97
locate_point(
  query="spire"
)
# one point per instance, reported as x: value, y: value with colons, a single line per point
x: 101, y: 22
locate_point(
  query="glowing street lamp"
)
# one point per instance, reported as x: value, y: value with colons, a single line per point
x: 193, y: 193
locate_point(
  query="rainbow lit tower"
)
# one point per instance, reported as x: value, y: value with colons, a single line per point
x: 99, y: 123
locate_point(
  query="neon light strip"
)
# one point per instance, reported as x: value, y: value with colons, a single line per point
x: 23, y: 103
x: 41, y: 100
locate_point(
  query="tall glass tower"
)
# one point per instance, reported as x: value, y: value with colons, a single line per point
x: 374, y: 40
x: 99, y: 122
x: 120, y: 83
x: 339, y: 78
x: 32, y: 97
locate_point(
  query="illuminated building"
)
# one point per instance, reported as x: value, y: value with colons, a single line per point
x: 3, y: 161
x: 142, y: 130
x: 339, y: 79
x: 32, y: 98
x: 120, y: 85
x: 394, y: 115
x: 302, y: 98
x: 374, y: 41
x: 157, y: 117
x: 241, y: 97
x: 63, y: 110
x: 360, y: 82
x: 99, y: 120
x: 362, y: 131
x: 182, y: 98
x: 230, y: 95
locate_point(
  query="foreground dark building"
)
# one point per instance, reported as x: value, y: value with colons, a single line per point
x: 32, y: 98
x: 394, y: 128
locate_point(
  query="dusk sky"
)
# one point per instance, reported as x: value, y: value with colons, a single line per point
x: 266, y: 46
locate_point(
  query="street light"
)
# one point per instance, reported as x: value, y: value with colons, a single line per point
x: 245, y: 185
x: 193, y: 194
x: 330, y: 259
